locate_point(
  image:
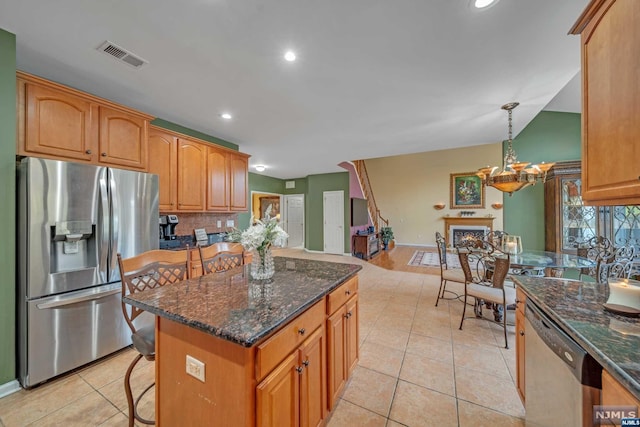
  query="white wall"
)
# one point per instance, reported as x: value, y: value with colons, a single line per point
x: 406, y: 188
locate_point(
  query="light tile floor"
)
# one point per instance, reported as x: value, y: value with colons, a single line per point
x: 416, y: 367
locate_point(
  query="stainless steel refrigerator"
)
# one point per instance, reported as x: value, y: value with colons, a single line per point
x: 73, y: 219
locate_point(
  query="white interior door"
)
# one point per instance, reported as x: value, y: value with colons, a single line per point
x: 333, y: 214
x: 294, y: 219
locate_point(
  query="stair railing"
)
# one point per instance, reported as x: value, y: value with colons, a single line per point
x: 374, y: 213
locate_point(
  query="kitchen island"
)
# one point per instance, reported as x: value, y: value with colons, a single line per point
x: 233, y: 350
x: 611, y: 339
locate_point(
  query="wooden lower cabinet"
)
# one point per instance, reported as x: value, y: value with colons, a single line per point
x: 282, y: 381
x: 342, y: 340
x: 614, y: 393
x: 520, y: 350
x: 294, y: 394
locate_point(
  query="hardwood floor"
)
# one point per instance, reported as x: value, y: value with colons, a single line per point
x: 397, y: 259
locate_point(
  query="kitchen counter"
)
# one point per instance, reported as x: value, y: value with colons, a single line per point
x: 234, y: 307
x: 613, y: 340
x: 256, y: 350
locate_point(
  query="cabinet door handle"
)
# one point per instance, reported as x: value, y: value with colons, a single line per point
x: 521, y: 333
x: 306, y: 362
x: 301, y: 331
x: 104, y: 154
x: 348, y: 292
x: 518, y: 301
x: 299, y: 369
x: 88, y: 151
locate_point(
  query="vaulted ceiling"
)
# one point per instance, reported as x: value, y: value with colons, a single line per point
x: 372, y: 78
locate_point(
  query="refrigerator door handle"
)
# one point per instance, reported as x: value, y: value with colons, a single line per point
x: 76, y: 299
x: 115, y: 225
x: 103, y: 242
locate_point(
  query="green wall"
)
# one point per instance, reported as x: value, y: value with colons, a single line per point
x: 7, y: 207
x: 313, y: 187
x: 550, y: 137
x: 317, y: 185
x: 260, y: 183
x: 194, y: 133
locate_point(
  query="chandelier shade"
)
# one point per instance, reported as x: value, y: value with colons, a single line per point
x: 514, y: 175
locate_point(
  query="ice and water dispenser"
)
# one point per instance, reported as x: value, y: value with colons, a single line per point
x: 73, y: 246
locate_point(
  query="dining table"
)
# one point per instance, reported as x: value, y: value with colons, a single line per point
x: 537, y: 263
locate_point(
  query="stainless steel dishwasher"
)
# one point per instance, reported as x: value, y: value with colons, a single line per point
x: 562, y: 381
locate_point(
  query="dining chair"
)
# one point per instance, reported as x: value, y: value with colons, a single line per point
x: 446, y: 274
x: 485, y: 268
x: 496, y: 237
x: 618, y: 266
x: 221, y: 256
x: 149, y: 270
x: 597, y: 249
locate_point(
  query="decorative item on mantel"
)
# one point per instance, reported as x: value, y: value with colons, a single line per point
x: 514, y: 175
x: 259, y: 237
x: 467, y: 213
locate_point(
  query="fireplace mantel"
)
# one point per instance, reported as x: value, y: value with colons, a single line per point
x: 459, y: 220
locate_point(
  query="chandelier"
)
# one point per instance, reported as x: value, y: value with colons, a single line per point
x: 514, y: 175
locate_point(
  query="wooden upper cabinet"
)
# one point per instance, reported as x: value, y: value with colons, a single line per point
x: 227, y: 184
x: 192, y: 168
x: 163, y: 161
x: 59, y: 122
x: 610, y: 108
x: 55, y: 123
x: 217, y: 180
x: 123, y: 138
x: 238, y: 167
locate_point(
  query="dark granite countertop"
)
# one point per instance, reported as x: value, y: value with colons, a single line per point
x: 234, y: 307
x: 612, y: 339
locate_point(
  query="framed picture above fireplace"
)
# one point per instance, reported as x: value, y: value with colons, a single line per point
x: 466, y: 191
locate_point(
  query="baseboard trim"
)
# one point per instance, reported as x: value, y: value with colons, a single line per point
x: 9, y: 388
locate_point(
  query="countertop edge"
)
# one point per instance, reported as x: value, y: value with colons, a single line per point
x: 618, y: 373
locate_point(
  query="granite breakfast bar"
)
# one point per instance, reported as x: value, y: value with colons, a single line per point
x: 273, y: 352
x: 613, y: 340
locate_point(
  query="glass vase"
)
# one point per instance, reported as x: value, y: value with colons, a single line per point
x: 262, y: 266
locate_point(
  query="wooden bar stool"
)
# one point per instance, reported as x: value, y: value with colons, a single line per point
x: 148, y: 270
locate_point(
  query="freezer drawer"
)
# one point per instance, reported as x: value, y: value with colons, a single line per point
x: 67, y: 331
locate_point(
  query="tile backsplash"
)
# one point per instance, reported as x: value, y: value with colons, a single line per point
x: 187, y: 222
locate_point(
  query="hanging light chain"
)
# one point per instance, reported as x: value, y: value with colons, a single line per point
x: 510, y: 155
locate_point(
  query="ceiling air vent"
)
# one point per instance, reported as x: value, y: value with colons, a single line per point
x: 121, y: 54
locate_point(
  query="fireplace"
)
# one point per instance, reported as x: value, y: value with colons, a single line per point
x: 459, y: 233
x: 481, y: 226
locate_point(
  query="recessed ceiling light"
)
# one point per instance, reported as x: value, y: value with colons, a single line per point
x: 481, y: 4
x: 290, y: 56
x: 226, y: 116
x: 260, y: 168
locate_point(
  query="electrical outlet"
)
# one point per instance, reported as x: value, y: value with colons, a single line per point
x: 195, y: 368
x: 219, y: 224
x: 231, y: 223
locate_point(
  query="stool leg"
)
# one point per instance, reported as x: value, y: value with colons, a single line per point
x: 127, y: 389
